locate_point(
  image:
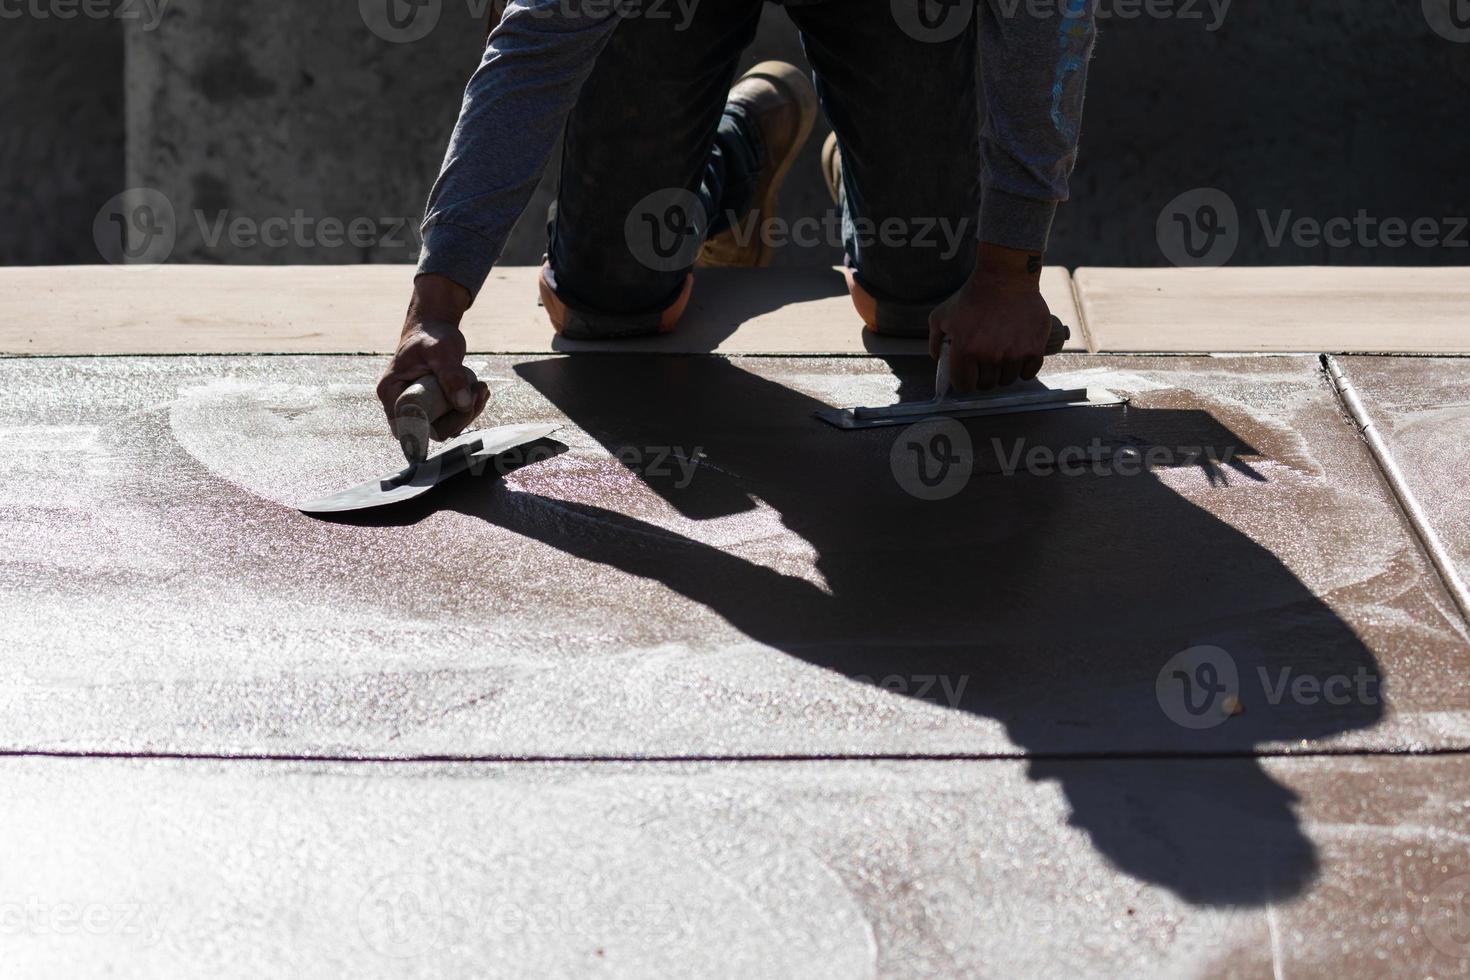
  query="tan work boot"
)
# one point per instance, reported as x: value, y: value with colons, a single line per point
x: 832, y: 166
x: 783, y: 106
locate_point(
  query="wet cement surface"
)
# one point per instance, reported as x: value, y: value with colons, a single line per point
x: 856, y: 869
x: 1421, y: 408
x: 697, y: 568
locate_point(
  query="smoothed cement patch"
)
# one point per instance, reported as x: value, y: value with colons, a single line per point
x: 705, y: 570
x: 1304, y: 867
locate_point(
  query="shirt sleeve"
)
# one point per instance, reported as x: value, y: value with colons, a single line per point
x: 1034, y: 62
x: 535, y: 63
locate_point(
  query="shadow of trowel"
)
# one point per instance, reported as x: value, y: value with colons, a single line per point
x: 484, y: 471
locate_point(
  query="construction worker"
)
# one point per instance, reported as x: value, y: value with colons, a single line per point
x: 666, y: 165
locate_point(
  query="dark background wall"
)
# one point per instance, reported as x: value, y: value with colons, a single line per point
x: 61, y: 136
x: 253, y: 109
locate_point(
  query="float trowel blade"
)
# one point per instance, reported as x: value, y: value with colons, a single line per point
x: 459, y: 454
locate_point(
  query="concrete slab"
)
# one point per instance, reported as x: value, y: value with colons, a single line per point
x: 1310, y: 867
x: 795, y: 593
x: 1331, y: 309
x: 1420, y: 409
x: 199, y: 309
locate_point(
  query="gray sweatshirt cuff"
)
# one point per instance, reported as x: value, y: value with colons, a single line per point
x: 458, y: 253
x: 1016, y: 222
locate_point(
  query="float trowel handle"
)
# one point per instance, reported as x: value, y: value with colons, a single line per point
x: 1055, y: 341
x: 418, y: 408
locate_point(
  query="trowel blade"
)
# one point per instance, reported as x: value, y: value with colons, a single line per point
x: 458, y: 455
x: 1026, y: 396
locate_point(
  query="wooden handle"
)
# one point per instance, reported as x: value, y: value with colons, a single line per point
x: 421, y: 405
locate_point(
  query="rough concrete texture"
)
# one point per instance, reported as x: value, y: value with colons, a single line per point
x: 1349, y: 867
x: 705, y: 570
x: 61, y: 131
x: 1421, y: 409
x: 261, y: 109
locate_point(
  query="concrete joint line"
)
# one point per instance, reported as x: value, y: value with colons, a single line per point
x: 1123, y: 755
x: 1082, y: 326
x: 1428, y: 538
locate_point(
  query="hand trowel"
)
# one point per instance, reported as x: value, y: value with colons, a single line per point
x: 1022, y: 396
x: 421, y: 404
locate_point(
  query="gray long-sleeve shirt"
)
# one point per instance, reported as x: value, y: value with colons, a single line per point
x: 1034, y: 65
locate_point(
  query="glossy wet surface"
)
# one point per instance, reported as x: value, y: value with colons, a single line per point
x: 694, y: 570
x: 1421, y: 407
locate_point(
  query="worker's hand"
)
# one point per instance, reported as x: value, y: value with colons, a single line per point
x: 997, y: 324
x: 431, y: 343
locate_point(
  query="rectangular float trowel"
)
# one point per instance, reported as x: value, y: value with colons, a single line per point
x: 420, y: 406
x: 1022, y: 396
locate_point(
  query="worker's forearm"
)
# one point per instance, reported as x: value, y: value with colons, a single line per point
x: 1021, y: 264
x: 535, y: 63
x: 1034, y: 60
x: 437, y: 297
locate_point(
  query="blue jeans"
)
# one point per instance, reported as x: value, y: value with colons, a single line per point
x: 652, y: 149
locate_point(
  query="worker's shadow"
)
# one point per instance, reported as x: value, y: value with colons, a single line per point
x: 1051, y: 603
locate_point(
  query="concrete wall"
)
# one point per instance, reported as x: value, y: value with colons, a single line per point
x: 1320, y: 109
x: 252, y: 111
x: 239, y: 113
x: 61, y: 134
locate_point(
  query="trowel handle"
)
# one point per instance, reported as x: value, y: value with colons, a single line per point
x: 421, y: 405
x: 1055, y: 341
x: 941, y: 372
